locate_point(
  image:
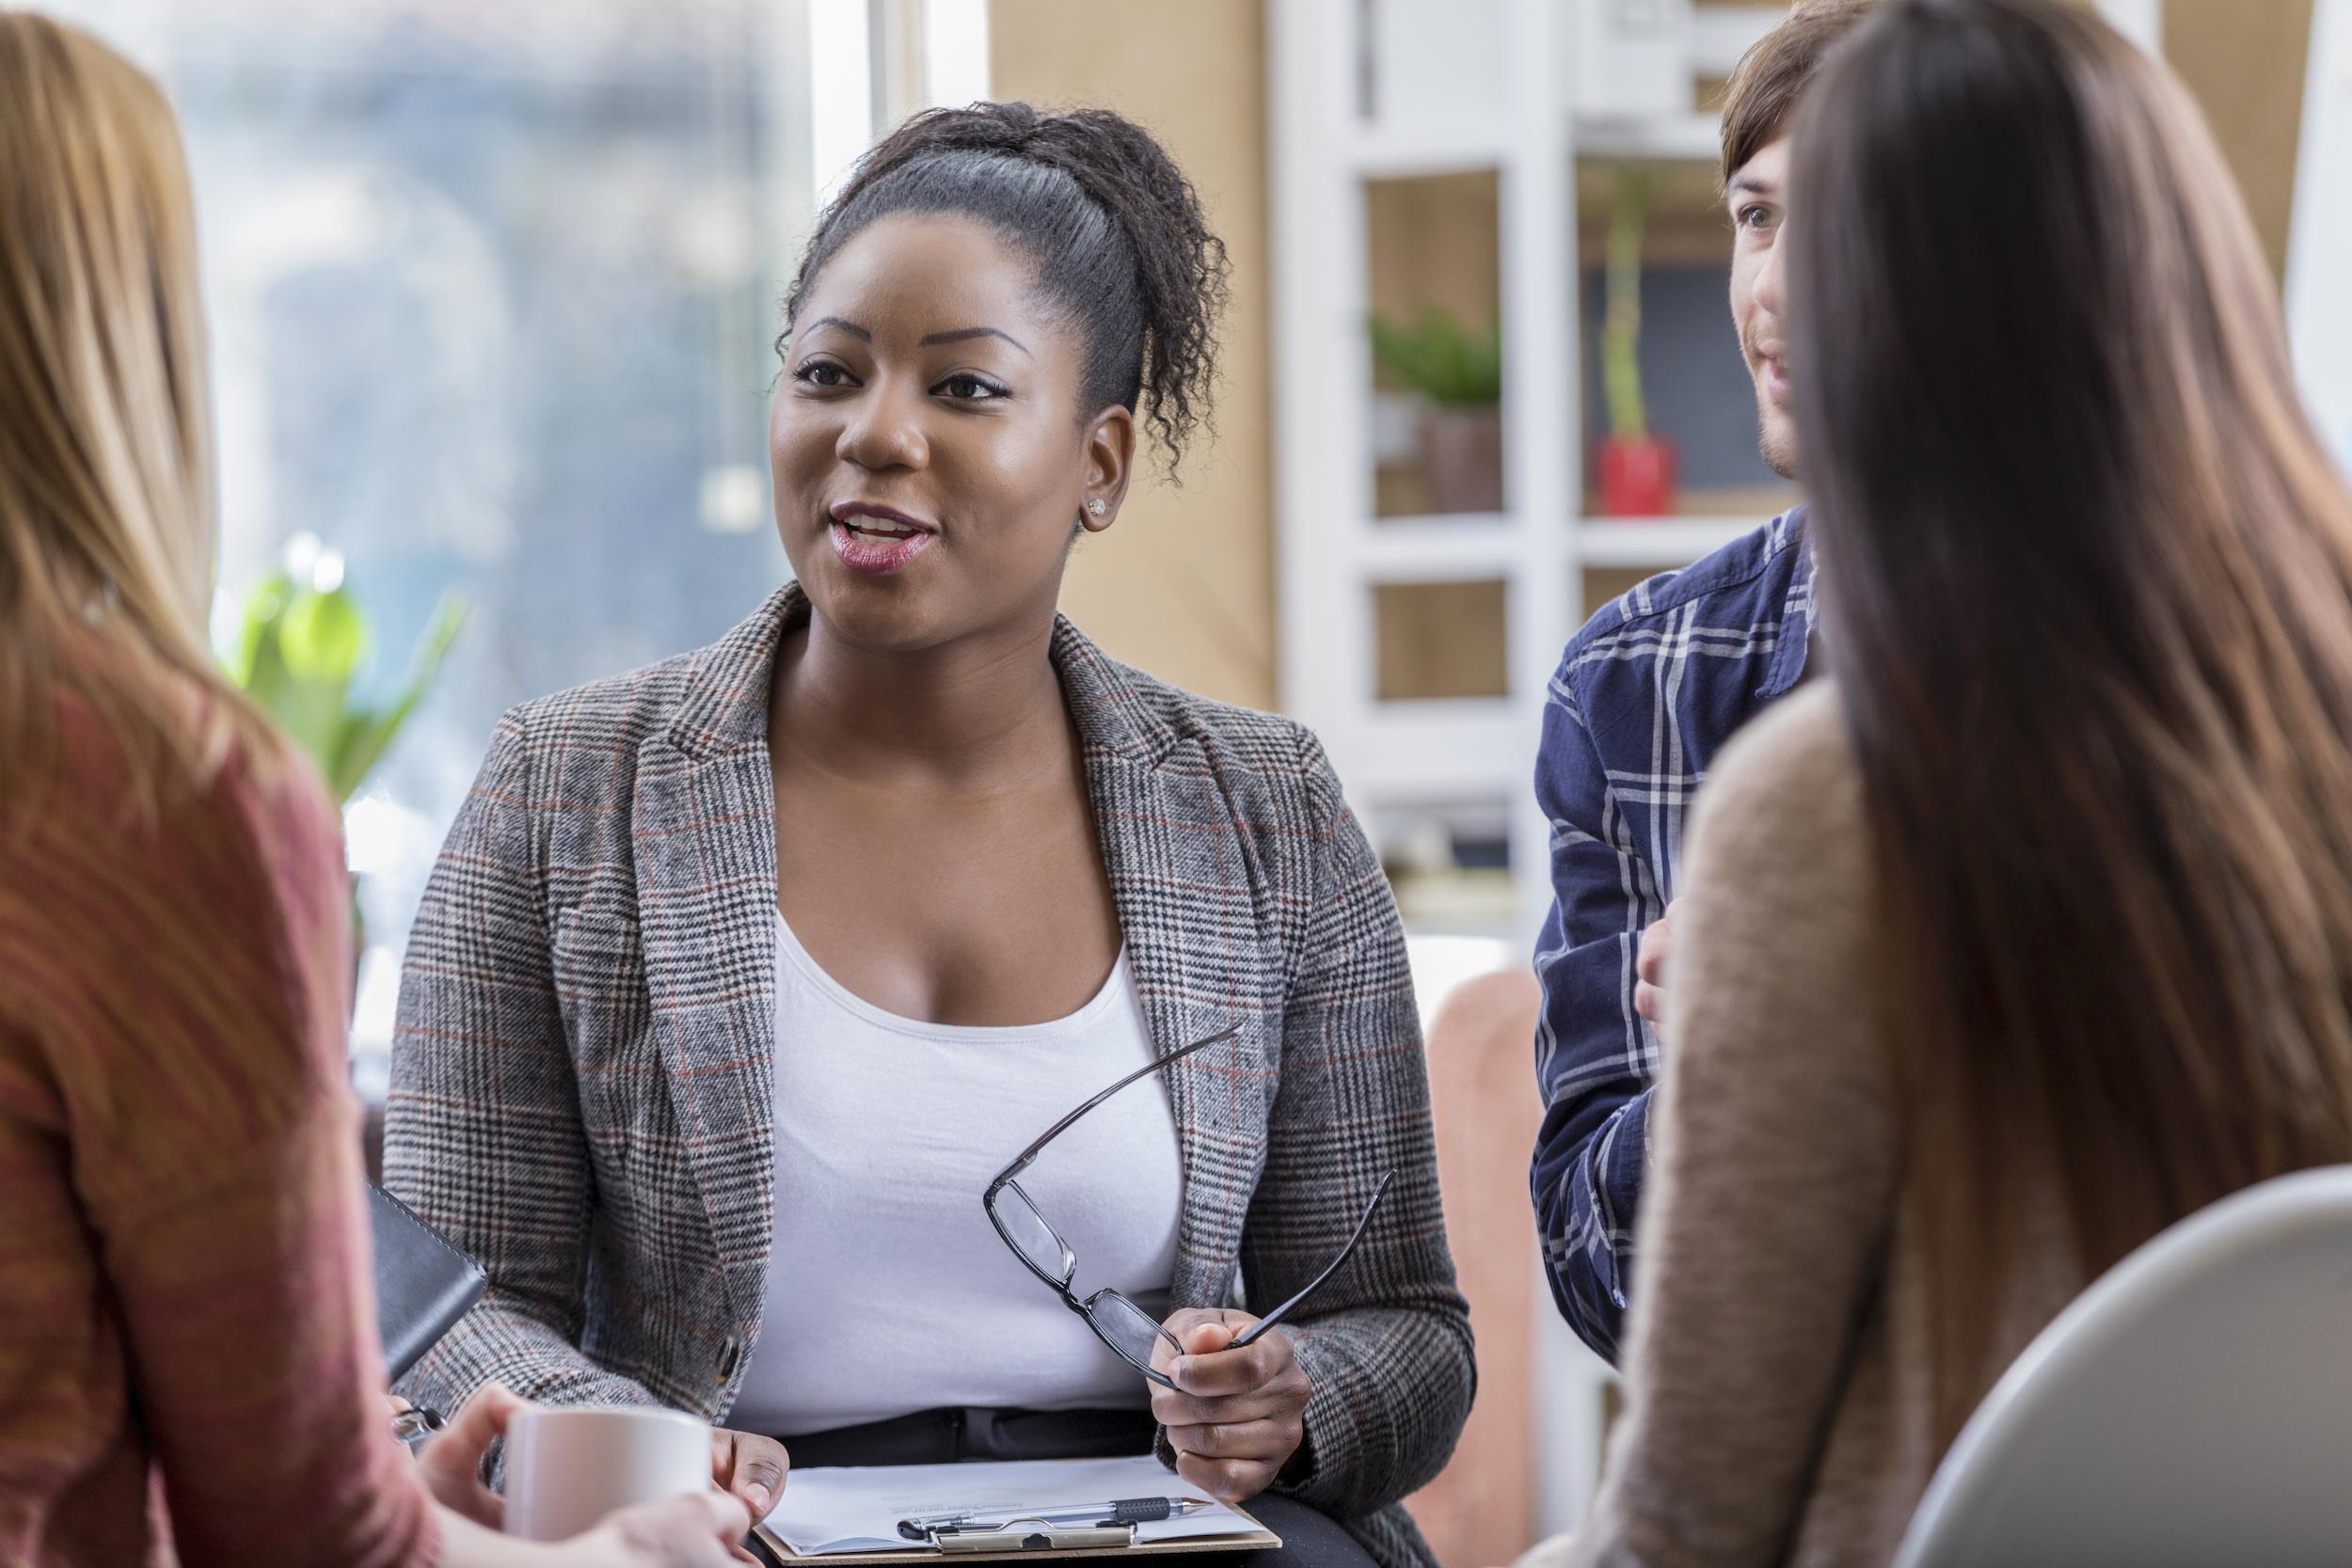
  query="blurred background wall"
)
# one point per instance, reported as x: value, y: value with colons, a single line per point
x: 1184, y: 586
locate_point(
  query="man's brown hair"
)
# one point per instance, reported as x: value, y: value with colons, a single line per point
x: 1773, y: 75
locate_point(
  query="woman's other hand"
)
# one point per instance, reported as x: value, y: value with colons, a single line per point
x: 450, y: 1463
x: 1235, y: 1417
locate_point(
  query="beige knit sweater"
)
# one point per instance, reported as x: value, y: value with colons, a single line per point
x: 1779, y: 1406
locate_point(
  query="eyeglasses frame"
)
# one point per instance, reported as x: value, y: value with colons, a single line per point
x: 1086, y: 1308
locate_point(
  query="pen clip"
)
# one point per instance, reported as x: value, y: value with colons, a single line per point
x: 1031, y: 1535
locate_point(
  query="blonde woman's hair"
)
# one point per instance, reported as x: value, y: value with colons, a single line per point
x: 107, y: 515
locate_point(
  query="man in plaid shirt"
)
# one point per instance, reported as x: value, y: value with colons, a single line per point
x: 1644, y: 697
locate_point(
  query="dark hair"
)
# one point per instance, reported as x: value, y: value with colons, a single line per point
x: 1113, y: 226
x: 2087, y: 571
x: 1773, y: 75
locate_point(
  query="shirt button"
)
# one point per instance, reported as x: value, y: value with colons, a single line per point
x: 730, y: 1356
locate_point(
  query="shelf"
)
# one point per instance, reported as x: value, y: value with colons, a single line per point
x: 1390, y: 155
x: 1660, y: 542
x: 1696, y: 138
x: 1437, y: 749
x: 1448, y: 548
x: 1468, y: 546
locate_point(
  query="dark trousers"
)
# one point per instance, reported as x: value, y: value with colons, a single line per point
x: 1310, y: 1539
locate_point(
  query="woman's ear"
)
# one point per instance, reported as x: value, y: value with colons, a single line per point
x: 1110, y: 456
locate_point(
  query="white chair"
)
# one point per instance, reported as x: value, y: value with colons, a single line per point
x: 2193, y: 1407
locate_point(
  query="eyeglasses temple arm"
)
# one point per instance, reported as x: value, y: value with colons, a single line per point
x: 1021, y: 1161
x: 1254, y: 1330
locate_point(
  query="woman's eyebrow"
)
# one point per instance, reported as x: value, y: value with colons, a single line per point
x: 851, y: 328
x: 963, y: 332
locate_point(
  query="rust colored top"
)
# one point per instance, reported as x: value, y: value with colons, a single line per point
x: 188, y: 1365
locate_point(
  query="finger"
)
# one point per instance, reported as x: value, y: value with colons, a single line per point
x: 1175, y: 1409
x: 1649, y: 960
x: 1649, y: 1001
x: 478, y: 1422
x: 1206, y: 1328
x: 750, y: 1466
x: 1221, y: 1374
x: 1230, y: 1480
x: 1206, y: 1338
x: 1269, y: 1440
x: 451, y: 1462
x: 696, y: 1527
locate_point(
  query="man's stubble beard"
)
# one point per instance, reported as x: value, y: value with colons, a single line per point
x: 1778, y: 447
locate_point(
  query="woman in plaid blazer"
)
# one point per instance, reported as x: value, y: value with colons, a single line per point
x: 971, y: 811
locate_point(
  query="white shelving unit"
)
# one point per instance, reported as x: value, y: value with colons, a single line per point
x: 1367, y: 90
x: 1363, y: 91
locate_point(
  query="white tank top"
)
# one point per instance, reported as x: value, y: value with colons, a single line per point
x: 888, y: 1290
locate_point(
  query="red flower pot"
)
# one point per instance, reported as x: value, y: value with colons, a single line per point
x: 1637, y: 478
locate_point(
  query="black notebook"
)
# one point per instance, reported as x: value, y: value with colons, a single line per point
x: 422, y: 1284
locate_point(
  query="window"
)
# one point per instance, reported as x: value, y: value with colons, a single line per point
x: 492, y: 290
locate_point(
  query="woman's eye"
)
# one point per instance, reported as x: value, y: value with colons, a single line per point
x: 821, y: 373
x: 1756, y: 218
x: 968, y: 389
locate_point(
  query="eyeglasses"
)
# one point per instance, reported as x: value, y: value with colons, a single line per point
x: 1118, y: 1321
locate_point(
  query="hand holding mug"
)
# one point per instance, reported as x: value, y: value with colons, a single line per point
x: 696, y: 1528
x: 1235, y: 1417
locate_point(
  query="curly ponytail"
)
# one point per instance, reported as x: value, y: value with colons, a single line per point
x: 1113, y: 226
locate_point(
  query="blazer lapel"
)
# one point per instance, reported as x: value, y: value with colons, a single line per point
x: 1197, y: 972
x: 705, y: 854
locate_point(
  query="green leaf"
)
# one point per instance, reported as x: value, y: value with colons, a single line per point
x: 1621, y: 321
x: 368, y: 736
x: 264, y: 607
x: 1441, y: 359
x: 297, y: 654
x: 323, y: 636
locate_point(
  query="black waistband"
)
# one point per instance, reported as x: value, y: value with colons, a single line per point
x: 976, y: 1432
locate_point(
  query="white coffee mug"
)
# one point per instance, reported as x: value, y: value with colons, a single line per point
x: 566, y: 1469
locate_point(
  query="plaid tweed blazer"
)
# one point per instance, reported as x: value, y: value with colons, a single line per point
x: 582, y: 1091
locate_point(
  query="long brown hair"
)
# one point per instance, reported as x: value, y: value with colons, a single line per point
x: 2088, y: 581
x: 107, y: 525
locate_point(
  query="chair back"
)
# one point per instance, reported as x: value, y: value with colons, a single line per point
x: 2194, y: 1406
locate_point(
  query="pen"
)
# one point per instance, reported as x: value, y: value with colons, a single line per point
x: 1128, y: 1510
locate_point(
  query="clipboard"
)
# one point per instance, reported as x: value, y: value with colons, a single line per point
x: 1019, y: 1544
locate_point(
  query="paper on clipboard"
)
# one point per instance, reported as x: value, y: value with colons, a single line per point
x: 833, y: 1511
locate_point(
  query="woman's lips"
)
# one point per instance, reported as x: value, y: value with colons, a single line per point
x: 876, y: 546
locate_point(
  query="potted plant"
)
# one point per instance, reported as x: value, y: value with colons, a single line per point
x: 1637, y: 469
x: 1458, y: 374
x: 299, y: 645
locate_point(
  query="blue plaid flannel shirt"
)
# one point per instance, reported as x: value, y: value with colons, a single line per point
x: 1644, y: 697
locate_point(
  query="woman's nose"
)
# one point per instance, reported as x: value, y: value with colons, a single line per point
x: 883, y: 429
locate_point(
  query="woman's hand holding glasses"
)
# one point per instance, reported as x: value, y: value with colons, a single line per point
x: 1227, y: 1386
x: 1236, y: 1416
